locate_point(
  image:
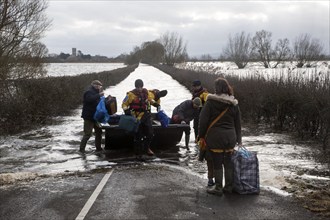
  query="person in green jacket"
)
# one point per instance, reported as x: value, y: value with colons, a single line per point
x: 224, y: 135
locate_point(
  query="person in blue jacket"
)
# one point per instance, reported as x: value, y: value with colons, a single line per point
x: 90, y: 100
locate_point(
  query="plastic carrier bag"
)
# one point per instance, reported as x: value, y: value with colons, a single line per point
x: 163, y: 118
x: 101, y: 114
x: 246, y: 171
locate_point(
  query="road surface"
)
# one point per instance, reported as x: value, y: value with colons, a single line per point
x: 138, y: 191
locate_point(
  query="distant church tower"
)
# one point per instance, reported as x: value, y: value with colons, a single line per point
x: 74, y: 51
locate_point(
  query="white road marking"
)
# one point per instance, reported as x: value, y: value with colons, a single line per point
x: 93, y: 197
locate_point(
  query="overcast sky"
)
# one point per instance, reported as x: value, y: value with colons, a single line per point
x: 111, y: 28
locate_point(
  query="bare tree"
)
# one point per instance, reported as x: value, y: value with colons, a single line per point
x: 175, y: 49
x: 22, y: 24
x: 262, y: 46
x: 282, y: 51
x: 238, y: 49
x: 306, y: 49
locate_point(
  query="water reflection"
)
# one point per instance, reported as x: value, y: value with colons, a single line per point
x: 54, y: 148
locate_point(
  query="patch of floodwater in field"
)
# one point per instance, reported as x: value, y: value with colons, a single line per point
x: 71, y: 69
x: 53, y: 149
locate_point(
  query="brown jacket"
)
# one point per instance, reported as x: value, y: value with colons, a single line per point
x: 226, y: 133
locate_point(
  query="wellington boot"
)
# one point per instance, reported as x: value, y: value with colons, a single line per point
x: 229, y: 176
x: 150, y: 152
x: 187, y: 138
x: 215, y: 191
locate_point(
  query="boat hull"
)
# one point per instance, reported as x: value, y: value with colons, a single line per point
x: 117, y: 138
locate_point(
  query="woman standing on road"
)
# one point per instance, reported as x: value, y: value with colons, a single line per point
x: 223, y: 136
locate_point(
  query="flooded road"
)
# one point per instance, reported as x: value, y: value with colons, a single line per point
x: 53, y: 149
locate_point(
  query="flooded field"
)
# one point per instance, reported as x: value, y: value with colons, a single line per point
x: 71, y: 69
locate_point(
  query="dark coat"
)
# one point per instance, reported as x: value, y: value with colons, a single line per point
x: 90, y: 100
x: 226, y: 132
x: 185, y: 111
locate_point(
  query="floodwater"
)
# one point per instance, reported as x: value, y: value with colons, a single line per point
x: 285, y: 71
x: 69, y: 69
x: 53, y: 149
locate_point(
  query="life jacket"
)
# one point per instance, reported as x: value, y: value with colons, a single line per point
x: 140, y: 102
x: 198, y: 94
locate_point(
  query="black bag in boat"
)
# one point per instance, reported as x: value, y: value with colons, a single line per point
x: 129, y: 123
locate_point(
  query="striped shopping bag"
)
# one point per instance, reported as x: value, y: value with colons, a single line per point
x: 246, y: 171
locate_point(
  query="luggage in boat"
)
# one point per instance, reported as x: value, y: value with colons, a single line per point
x: 114, y: 119
x: 163, y: 118
x: 164, y: 137
x: 246, y: 171
x: 111, y: 104
x: 129, y: 123
x: 101, y: 114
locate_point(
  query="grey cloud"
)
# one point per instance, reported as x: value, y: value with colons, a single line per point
x: 113, y: 27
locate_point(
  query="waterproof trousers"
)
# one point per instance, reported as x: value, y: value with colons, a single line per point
x: 144, y: 135
x: 187, y: 137
x: 209, y: 163
x: 88, y: 131
x: 196, y: 123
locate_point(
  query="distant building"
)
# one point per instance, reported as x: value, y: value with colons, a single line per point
x: 74, y: 51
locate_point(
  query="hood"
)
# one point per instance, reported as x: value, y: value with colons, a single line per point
x: 223, y: 98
